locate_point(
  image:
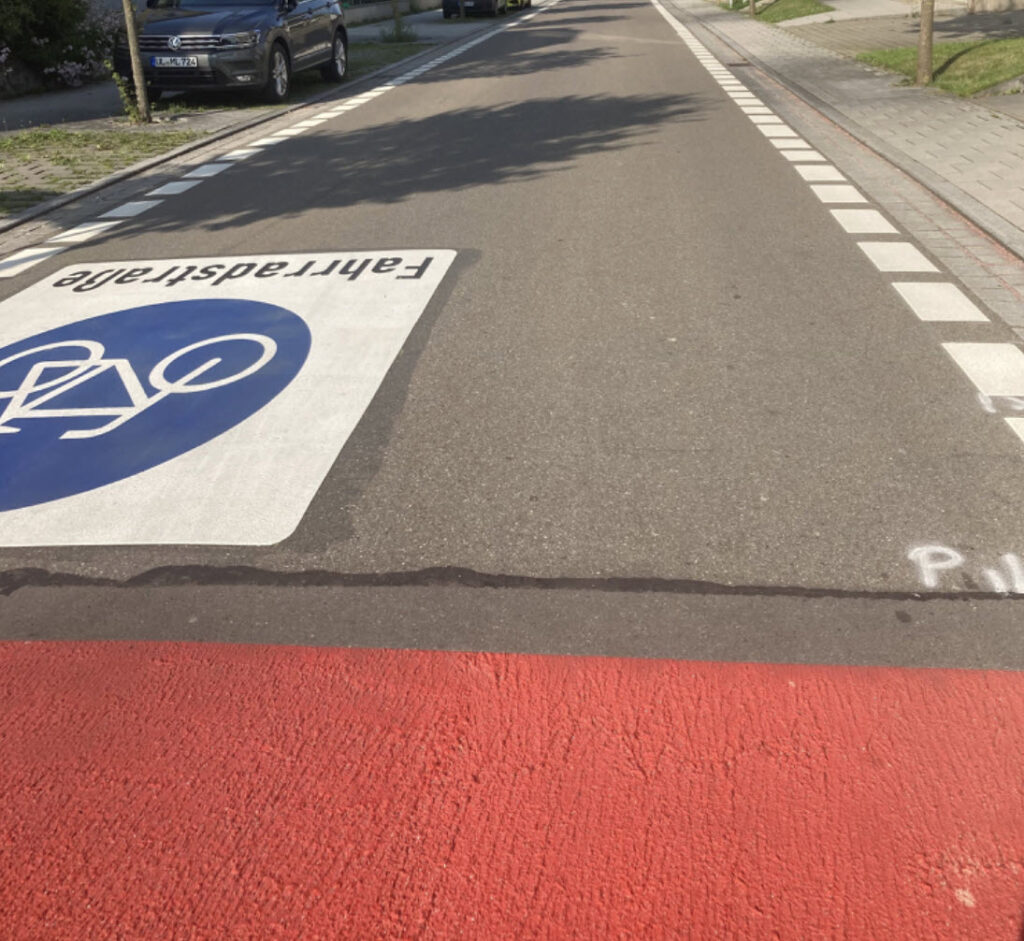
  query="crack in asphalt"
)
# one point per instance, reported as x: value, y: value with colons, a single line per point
x: 176, y: 576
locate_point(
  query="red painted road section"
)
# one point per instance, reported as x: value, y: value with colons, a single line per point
x: 162, y: 790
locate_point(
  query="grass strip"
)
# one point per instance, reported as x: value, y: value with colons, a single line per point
x: 40, y: 163
x: 784, y: 9
x: 962, y: 68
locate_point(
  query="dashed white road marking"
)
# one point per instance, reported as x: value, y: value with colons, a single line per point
x: 243, y: 154
x: 939, y: 301
x: 132, y: 209
x: 896, y: 256
x: 206, y: 170
x: 174, y: 188
x: 795, y: 155
x: 837, y: 193
x: 863, y: 222
x: 780, y: 130
x: 995, y: 368
x: 819, y: 173
x: 26, y: 258
x: 83, y: 232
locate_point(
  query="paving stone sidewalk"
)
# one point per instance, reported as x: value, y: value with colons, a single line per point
x: 853, y: 35
x: 969, y: 154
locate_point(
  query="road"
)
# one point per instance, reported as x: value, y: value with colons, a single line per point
x: 624, y: 378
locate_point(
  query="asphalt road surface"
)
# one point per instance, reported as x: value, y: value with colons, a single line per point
x: 615, y: 380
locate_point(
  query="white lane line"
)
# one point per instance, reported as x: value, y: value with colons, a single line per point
x: 780, y: 130
x: 794, y: 143
x: 265, y: 142
x: 803, y: 156
x: 26, y: 258
x: 817, y: 173
x: 174, y: 188
x: 765, y: 119
x: 206, y: 170
x: 939, y: 301
x: 896, y: 256
x: 755, y: 109
x: 244, y: 154
x: 132, y: 209
x: 291, y: 132
x: 84, y: 232
x: 995, y: 368
x: 864, y: 222
x: 837, y: 193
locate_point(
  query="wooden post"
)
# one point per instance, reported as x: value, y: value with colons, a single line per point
x: 141, y: 96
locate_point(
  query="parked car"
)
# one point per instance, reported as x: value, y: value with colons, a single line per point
x: 450, y: 8
x: 220, y: 44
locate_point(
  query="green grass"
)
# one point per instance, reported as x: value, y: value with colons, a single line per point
x: 785, y: 9
x: 962, y: 68
x: 43, y: 162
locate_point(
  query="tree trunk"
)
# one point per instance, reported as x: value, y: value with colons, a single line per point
x: 397, y: 14
x: 141, y: 96
x: 924, y: 43
x: 753, y: 7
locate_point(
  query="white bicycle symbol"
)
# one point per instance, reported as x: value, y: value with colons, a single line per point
x: 35, y: 391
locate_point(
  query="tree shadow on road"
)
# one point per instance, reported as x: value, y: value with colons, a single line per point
x: 525, y: 61
x: 444, y: 152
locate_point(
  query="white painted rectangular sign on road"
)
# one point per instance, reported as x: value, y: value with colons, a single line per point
x: 195, y: 400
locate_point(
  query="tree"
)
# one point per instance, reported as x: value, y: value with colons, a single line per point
x: 924, y: 43
x: 141, y: 95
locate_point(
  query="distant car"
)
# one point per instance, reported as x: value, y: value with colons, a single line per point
x: 222, y: 44
x: 450, y: 8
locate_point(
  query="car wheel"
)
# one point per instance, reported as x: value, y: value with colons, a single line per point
x: 337, y: 68
x: 279, y: 75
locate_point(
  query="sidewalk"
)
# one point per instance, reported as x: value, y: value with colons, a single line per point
x: 967, y: 151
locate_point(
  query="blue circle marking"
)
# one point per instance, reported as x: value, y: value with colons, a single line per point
x: 102, y: 399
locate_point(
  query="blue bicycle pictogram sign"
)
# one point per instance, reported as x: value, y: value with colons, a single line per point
x: 105, y: 398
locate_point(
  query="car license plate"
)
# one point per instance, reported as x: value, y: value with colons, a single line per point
x: 174, y: 62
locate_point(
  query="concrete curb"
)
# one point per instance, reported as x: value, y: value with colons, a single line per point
x: 142, y: 166
x: 990, y: 222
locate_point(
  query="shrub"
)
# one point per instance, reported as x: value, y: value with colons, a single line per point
x: 65, y: 41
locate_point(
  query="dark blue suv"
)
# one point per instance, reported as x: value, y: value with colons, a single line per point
x: 219, y: 44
